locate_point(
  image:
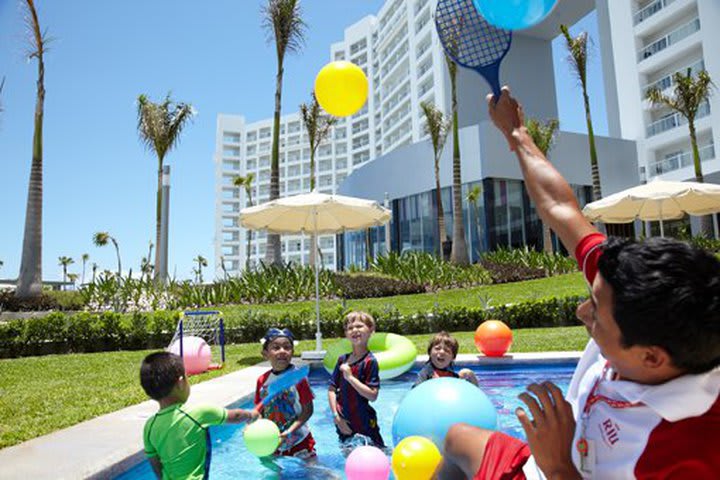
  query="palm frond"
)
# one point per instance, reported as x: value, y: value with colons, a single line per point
x: 577, y: 53
x: 283, y: 23
x: 160, y: 124
x: 543, y: 134
x: 688, y: 95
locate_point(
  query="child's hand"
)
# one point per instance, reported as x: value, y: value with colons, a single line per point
x: 346, y: 371
x: 343, y: 425
x: 253, y: 414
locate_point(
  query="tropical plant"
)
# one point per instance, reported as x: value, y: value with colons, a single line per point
x: 473, y: 196
x: 459, y: 251
x: 425, y: 269
x: 543, y: 134
x: 282, y: 20
x: 94, y: 271
x: 551, y: 263
x: 146, y: 266
x: 577, y: 58
x: 64, y: 262
x: 437, y: 126
x: 85, y: 257
x: 73, y: 278
x: 222, y: 267
x: 245, y: 182
x: 201, y: 262
x: 159, y: 127
x: 318, y: 126
x: 100, y: 239
x: 29, y: 283
x: 689, y: 94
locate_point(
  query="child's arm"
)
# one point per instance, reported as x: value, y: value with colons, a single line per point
x: 156, y: 466
x: 305, y: 414
x: 341, y: 423
x: 371, y: 393
x: 238, y: 415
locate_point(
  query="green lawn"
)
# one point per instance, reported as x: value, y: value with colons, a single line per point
x: 39, y: 395
x: 559, y: 286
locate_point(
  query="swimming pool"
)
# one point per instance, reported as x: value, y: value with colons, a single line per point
x: 230, y: 459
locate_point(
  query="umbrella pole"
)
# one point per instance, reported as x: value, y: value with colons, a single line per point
x: 318, y: 333
x: 662, y: 229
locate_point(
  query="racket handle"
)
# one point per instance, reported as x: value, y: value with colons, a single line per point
x: 493, y: 78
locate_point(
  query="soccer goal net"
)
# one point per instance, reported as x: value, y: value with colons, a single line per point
x: 204, y: 324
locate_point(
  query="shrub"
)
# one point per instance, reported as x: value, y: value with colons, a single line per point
x: 369, y: 285
x: 550, y: 263
x: 506, y: 272
x: 91, y: 332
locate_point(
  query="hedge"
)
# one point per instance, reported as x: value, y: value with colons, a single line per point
x: 95, y: 332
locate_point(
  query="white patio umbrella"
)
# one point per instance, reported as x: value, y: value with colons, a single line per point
x: 316, y: 213
x: 656, y: 201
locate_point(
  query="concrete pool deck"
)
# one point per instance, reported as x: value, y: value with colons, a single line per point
x: 111, y: 444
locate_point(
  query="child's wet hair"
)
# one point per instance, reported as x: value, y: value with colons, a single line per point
x: 445, y: 339
x: 159, y: 373
x: 364, y: 317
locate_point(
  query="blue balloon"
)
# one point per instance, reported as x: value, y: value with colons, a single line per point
x: 431, y: 408
x: 515, y: 14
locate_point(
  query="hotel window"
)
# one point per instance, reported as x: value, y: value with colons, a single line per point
x: 251, y: 136
x: 231, y: 151
x: 230, y: 137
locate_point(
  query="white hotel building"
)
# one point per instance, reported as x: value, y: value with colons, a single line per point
x: 644, y: 43
x: 400, y: 54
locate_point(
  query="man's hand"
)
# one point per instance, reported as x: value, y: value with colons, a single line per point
x: 551, y: 430
x: 507, y: 115
x: 343, y: 425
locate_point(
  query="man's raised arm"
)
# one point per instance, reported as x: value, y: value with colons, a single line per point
x: 554, y: 199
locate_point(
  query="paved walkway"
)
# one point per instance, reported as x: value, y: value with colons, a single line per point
x: 108, y: 445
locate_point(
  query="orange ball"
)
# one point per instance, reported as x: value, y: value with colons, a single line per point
x: 493, y: 338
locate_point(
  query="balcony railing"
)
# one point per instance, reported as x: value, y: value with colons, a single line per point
x: 650, y: 10
x: 667, y: 81
x: 674, y: 120
x: 680, y: 160
x: 669, y: 39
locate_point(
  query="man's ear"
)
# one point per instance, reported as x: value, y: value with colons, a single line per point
x: 656, y: 357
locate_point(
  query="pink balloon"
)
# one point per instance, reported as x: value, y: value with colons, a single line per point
x: 367, y: 463
x: 196, y: 354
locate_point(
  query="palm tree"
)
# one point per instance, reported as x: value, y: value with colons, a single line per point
x: 689, y: 94
x: 544, y: 137
x: 222, y: 267
x: 146, y: 267
x: 282, y: 19
x: 100, y: 239
x: 64, y: 262
x: 94, y: 270
x: 459, y: 251
x: 159, y: 127
x: 437, y: 127
x: 578, y: 48
x: 246, y: 182
x: 318, y: 126
x: 472, y: 197
x: 85, y: 257
x: 202, y: 262
x: 73, y: 278
x: 30, y: 278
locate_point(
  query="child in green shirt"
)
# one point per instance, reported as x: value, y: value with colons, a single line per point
x: 177, y: 438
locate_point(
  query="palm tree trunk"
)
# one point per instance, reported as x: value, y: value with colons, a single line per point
x: 272, y: 251
x: 547, y: 238
x: 30, y: 277
x: 595, y: 170
x: 707, y: 229
x: 158, y: 214
x: 117, y: 253
x: 459, y: 253
x: 313, y: 237
x: 442, y: 234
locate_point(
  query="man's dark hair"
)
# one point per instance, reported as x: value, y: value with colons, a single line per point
x: 666, y: 293
x: 159, y: 373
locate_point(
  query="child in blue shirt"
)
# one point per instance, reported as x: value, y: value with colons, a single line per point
x: 442, y: 351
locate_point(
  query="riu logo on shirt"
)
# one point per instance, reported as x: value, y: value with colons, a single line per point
x: 610, y: 432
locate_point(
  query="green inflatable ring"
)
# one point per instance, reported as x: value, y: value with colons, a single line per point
x: 395, y: 354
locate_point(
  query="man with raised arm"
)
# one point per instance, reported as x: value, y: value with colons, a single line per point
x: 643, y: 401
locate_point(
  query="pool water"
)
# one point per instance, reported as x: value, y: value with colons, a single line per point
x: 231, y: 460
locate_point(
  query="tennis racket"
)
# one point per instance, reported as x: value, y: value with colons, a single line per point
x: 470, y: 41
x: 285, y: 381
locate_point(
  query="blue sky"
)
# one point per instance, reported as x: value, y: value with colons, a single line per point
x: 97, y: 174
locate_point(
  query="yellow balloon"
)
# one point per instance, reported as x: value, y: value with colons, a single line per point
x: 415, y: 458
x: 341, y: 88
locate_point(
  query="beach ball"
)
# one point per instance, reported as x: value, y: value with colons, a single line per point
x: 341, y: 88
x: 431, y: 408
x: 196, y: 354
x: 367, y: 463
x: 415, y: 458
x: 493, y: 338
x: 262, y: 437
x: 514, y: 14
